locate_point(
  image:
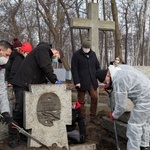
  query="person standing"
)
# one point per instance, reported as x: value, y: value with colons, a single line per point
x: 127, y: 82
x: 35, y: 68
x: 20, y: 51
x: 84, y: 65
x: 5, y: 51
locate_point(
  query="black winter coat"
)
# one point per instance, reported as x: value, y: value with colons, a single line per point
x: 13, y: 65
x: 77, y: 118
x: 36, y: 67
x: 83, y: 68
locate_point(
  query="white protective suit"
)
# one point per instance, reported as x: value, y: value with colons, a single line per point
x: 4, y: 103
x: 130, y: 83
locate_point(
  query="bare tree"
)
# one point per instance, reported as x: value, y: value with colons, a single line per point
x: 118, y: 48
x: 105, y: 34
x: 54, y: 26
x: 68, y: 19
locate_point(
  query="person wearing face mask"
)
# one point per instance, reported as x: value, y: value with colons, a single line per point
x: 35, y: 68
x: 76, y: 135
x: 128, y: 82
x: 5, y: 51
x: 84, y: 65
x: 20, y: 51
x: 117, y: 61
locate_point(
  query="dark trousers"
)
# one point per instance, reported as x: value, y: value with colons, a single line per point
x: 17, y: 115
x: 94, y: 98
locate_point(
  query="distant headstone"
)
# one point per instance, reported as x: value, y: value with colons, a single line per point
x: 47, y: 111
x: 61, y: 74
x: 93, y: 24
x: 145, y: 70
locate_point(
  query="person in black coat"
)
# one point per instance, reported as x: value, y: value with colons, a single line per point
x: 35, y: 68
x: 12, y: 65
x: 76, y: 131
x: 84, y: 65
x: 15, y: 60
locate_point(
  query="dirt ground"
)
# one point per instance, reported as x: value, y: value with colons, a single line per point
x: 95, y: 134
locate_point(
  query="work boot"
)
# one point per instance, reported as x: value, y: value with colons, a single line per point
x: 13, y: 142
x: 143, y: 148
x: 23, y: 138
x: 13, y: 139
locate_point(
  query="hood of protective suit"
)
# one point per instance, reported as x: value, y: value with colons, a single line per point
x: 113, y: 70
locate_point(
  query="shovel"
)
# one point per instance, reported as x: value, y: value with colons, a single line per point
x: 109, y: 91
x: 21, y: 130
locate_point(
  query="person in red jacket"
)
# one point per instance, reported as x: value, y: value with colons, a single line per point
x: 75, y: 135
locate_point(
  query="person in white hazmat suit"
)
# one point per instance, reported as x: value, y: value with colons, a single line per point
x: 5, y: 51
x: 127, y: 82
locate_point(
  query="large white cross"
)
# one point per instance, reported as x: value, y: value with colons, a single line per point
x: 93, y: 24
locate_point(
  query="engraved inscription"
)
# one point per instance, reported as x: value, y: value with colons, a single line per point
x: 48, y: 109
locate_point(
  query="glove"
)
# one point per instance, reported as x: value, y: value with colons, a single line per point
x: 82, y: 138
x: 111, y: 116
x: 6, y: 118
x: 58, y: 82
x: 107, y: 87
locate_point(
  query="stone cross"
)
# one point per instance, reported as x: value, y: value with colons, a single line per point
x: 93, y: 24
x: 47, y: 111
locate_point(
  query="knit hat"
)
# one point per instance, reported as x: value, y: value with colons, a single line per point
x: 74, y: 98
x: 26, y: 47
x: 16, y: 43
x: 86, y: 43
x: 101, y: 74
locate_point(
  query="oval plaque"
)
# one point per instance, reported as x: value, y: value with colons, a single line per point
x: 48, y: 109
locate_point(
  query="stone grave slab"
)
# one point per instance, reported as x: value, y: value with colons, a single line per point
x: 108, y: 124
x: 85, y: 146
x: 145, y: 70
x: 47, y: 111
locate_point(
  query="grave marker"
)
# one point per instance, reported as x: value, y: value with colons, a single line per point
x: 47, y: 111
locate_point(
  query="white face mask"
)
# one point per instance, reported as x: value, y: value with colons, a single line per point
x: 116, y: 62
x: 3, y: 60
x: 86, y: 50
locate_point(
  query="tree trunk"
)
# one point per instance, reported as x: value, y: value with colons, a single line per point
x: 105, y: 34
x: 118, y: 48
x: 126, y: 37
x: 71, y: 30
x: 55, y: 29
